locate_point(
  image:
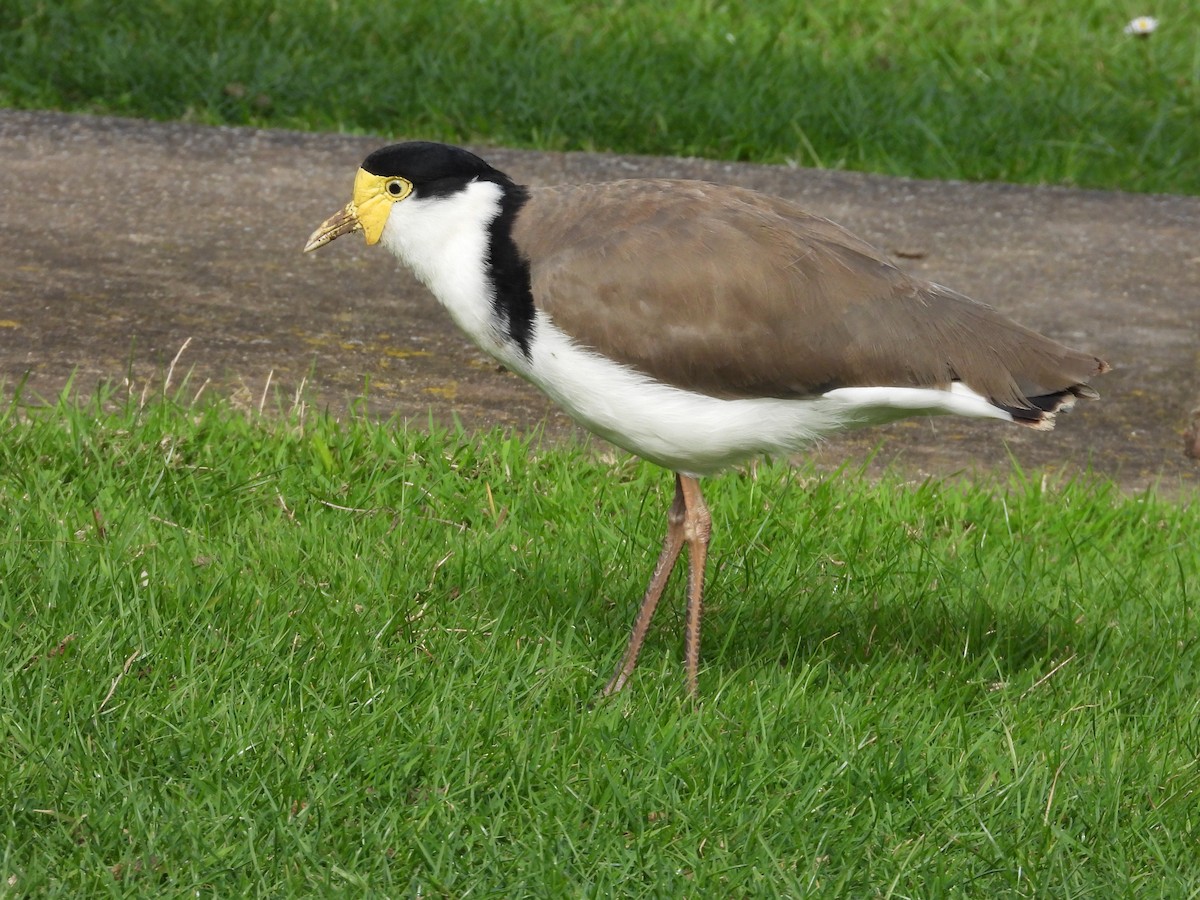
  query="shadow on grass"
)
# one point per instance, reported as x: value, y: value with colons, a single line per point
x: 850, y: 634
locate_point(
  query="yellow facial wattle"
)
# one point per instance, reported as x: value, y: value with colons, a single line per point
x: 373, y: 199
x: 367, y: 212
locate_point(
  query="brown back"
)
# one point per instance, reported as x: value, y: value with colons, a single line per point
x: 736, y: 294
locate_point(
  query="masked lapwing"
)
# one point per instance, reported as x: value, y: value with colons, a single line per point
x: 697, y: 325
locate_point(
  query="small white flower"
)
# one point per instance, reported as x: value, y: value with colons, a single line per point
x: 1142, y: 26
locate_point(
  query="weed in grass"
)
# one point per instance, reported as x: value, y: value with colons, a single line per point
x: 1052, y: 91
x: 274, y: 655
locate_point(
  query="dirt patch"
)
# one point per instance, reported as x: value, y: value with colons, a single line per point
x: 124, y: 239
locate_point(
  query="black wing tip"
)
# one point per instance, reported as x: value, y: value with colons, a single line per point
x: 1041, y: 410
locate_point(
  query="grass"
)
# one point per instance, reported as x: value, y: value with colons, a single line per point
x: 290, y: 655
x: 1051, y: 91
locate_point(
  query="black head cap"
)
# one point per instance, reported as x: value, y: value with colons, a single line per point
x: 432, y: 168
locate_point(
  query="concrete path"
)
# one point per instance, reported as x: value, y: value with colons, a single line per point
x: 122, y: 240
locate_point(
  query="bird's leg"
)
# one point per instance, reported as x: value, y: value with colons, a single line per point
x: 697, y: 529
x: 672, y: 544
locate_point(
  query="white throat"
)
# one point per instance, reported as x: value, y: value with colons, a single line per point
x: 444, y: 240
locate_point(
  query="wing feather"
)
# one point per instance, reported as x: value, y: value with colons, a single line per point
x: 732, y: 293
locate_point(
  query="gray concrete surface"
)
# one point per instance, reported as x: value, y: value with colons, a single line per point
x: 122, y: 240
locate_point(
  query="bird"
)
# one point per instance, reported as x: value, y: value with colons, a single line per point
x: 697, y: 325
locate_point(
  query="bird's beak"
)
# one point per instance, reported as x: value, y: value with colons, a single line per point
x: 342, y: 222
x: 367, y: 212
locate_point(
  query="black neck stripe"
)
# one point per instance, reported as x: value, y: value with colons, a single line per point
x: 509, y: 272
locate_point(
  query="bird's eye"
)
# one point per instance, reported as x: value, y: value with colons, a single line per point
x: 395, y: 187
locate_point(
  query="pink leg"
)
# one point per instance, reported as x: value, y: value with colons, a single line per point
x: 688, y: 521
x: 697, y: 529
x: 672, y: 544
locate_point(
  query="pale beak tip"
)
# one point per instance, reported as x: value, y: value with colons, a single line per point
x: 315, y: 240
x: 342, y: 222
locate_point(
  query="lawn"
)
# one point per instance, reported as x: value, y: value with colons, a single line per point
x: 290, y: 655
x: 1047, y: 91
x: 280, y: 655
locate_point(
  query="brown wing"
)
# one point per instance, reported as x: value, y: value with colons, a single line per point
x: 736, y: 294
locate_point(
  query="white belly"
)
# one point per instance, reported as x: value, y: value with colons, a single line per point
x: 699, y: 435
